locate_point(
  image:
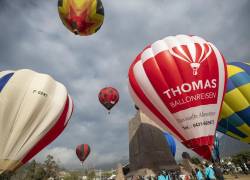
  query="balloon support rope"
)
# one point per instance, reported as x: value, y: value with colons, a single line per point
x: 109, y: 116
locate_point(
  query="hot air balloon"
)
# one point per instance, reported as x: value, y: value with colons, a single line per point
x: 35, y: 109
x: 171, y: 143
x: 82, y: 17
x: 179, y: 83
x: 235, y: 114
x: 82, y: 152
x: 108, y: 97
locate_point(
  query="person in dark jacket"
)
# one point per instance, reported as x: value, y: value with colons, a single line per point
x: 217, y: 171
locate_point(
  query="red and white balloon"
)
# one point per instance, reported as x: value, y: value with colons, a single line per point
x: 179, y: 82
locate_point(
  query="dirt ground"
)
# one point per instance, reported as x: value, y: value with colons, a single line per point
x: 240, y: 177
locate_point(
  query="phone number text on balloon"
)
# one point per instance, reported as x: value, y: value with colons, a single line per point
x: 204, y: 123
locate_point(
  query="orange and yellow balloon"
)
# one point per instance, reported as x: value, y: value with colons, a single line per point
x: 82, y: 17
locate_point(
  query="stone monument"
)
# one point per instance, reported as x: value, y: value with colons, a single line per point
x: 120, y: 175
x: 148, y: 149
x: 187, y: 166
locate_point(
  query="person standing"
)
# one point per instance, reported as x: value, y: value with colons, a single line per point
x: 198, y: 174
x: 209, y: 173
x: 162, y: 176
x: 218, y: 173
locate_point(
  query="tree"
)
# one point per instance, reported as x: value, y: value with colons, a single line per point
x: 91, y: 174
x: 6, y: 175
x: 195, y: 161
x: 242, y: 157
x: 40, y: 173
x: 51, y: 167
x: 73, y: 176
x: 30, y: 175
x: 34, y: 171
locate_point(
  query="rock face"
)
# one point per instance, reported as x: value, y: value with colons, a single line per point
x: 148, y: 149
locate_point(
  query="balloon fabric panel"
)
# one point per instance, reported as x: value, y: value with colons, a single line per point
x: 4, y: 80
x: 235, y: 115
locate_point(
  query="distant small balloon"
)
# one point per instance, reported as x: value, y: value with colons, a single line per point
x: 82, y: 152
x: 108, y: 97
x: 82, y: 17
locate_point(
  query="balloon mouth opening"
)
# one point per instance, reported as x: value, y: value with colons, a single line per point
x: 8, y: 166
x: 75, y: 26
x: 76, y: 32
x: 195, y: 67
x: 202, y: 146
x: 204, y: 151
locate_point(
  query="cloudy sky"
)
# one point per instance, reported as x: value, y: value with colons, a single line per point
x: 32, y: 36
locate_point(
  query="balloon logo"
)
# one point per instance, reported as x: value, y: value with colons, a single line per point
x: 108, y: 97
x: 235, y: 114
x: 184, y: 53
x: 179, y: 83
x: 35, y: 109
x: 82, y: 152
x: 82, y: 17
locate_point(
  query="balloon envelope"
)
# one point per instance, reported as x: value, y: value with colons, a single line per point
x: 171, y: 143
x: 235, y: 114
x: 82, y: 17
x: 35, y: 109
x: 82, y: 151
x: 179, y: 82
x: 108, y: 97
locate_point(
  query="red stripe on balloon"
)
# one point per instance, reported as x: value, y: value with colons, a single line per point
x: 140, y: 94
x: 51, y: 135
x: 86, y: 150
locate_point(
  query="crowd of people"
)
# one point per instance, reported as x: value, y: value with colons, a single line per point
x: 163, y: 175
x: 209, y: 173
x: 205, y: 172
